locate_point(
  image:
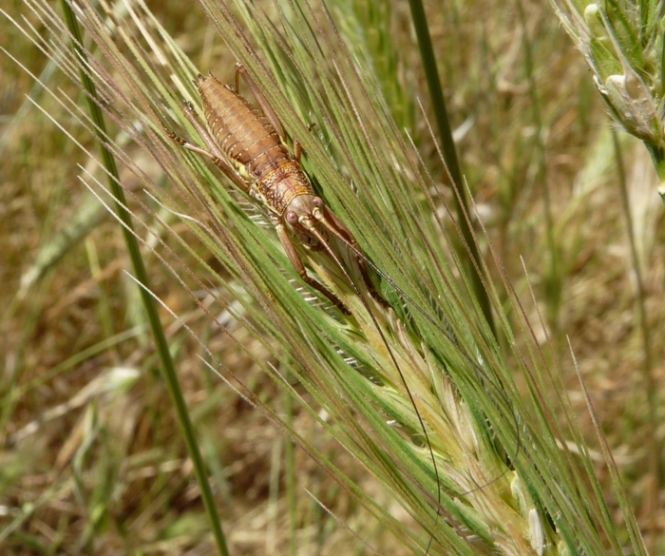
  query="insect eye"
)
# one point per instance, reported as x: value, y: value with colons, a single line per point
x: 317, y: 202
x: 291, y: 217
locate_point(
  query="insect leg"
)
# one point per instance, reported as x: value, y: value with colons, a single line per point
x: 213, y: 152
x: 267, y: 109
x: 189, y: 146
x: 297, y: 150
x: 298, y: 265
x: 297, y: 147
x: 334, y: 224
x: 263, y: 103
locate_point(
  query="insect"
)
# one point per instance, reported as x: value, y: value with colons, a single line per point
x: 246, y: 144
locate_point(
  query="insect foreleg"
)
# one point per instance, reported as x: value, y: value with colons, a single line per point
x: 299, y: 267
x: 333, y: 224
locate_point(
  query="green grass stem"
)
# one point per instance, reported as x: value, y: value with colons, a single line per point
x: 474, y: 266
x: 161, y: 344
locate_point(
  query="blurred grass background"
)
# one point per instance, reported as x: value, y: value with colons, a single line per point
x: 535, y: 145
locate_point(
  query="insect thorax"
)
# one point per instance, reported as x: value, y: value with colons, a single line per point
x: 279, y: 186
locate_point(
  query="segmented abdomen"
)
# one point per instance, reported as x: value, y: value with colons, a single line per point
x: 241, y: 130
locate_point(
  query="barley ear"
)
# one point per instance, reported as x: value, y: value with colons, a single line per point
x: 623, y: 43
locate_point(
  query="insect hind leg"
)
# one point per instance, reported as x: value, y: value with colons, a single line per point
x: 263, y: 103
x: 189, y: 146
x: 213, y: 153
x: 265, y: 107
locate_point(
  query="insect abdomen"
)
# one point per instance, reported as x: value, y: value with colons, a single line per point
x: 241, y: 130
